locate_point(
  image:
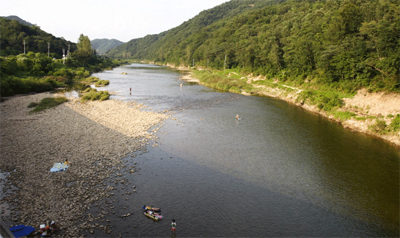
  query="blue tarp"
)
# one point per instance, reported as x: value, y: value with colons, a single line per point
x: 21, y: 230
x: 57, y: 167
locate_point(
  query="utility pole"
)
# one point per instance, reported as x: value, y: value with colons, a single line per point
x: 48, y: 49
x: 24, y: 46
x: 225, y: 62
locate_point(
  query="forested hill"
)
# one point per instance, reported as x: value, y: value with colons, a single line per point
x: 343, y: 43
x: 154, y: 46
x: 13, y: 34
x: 104, y: 45
x: 23, y: 22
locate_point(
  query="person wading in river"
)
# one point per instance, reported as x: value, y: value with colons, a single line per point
x: 173, y: 227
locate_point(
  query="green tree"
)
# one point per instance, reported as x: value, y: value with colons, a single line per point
x: 84, y: 52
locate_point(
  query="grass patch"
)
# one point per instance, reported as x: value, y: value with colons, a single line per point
x: 91, y: 79
x: 33, y: 104
x: 102, y: 83
x: 227, y: 81
x: 46, y: 103
x: 92, y: 94
x: 382, y: 128
x: 395, y: 124
x: 343, y: 115
x: 325, y: 100
x: 361, y: 118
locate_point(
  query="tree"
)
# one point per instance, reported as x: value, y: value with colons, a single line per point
x: 84, y: 52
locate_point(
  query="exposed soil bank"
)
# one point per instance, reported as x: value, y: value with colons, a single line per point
x: 372, y: 106
x: 93, y: 136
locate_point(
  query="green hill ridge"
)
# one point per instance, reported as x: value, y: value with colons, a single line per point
x: 104, y: 45
x: 346, y: 44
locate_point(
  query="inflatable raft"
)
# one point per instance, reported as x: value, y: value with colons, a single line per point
x: 150, y: 208
x: 152, y: 215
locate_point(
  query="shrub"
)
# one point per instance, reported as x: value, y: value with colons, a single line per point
x: 102, y: 83
x: 91, y: 79
x: 89, y: 89
x: 326, y: 101
x: 93, y: 94
x: 38, y: 85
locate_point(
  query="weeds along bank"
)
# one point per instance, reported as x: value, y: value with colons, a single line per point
x: 374, y: 113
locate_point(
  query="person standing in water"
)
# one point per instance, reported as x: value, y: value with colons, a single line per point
x: 173, y: 227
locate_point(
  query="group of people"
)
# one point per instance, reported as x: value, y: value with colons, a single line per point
x: 46, y: 231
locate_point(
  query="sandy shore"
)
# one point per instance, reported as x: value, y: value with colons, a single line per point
x: 93, y: 136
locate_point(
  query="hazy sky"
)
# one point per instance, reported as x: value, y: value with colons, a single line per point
x: 113, y: 19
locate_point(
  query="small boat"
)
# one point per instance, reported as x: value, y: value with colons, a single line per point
x: 153, y: 215
x: 154, y: 209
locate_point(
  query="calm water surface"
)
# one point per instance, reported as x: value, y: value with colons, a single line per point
x: 280, y: 171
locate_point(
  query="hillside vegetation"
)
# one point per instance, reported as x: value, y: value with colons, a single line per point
x: 23, y: 22
x: 156, y: 47
x: 13, y: 34
x: 104, y: 45
x: 343, y: 44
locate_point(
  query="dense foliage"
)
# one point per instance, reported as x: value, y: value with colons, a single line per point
x: 104, y: 45
x: 346, y: 44
x: 13, y: 35
x: 36, y: 72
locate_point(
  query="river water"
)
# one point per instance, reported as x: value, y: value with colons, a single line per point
x: 279, y: 171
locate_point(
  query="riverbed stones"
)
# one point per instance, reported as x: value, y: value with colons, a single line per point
x: 93, y: 136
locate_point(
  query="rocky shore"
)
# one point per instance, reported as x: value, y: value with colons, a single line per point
x: 93, y: 136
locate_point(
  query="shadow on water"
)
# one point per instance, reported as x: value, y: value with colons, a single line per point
x: 205, y: 202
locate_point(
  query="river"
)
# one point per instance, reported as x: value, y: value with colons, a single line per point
x: 279, y: 171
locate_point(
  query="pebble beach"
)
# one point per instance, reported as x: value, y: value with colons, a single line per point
x: 93, y: 136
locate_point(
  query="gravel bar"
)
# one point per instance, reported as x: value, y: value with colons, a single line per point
x: 93, y: 136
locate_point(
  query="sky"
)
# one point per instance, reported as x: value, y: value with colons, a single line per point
x: 123, y: 20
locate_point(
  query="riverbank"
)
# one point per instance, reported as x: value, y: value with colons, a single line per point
x: 363, y: 112
x: 94, y: 136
